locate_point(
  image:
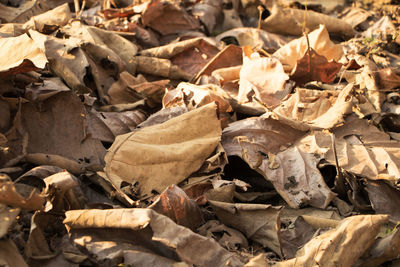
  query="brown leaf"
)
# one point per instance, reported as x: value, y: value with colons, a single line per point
x: 167, y: 17
x: 384, y: 198
x: 319, y: 69
x: 175, y: 204
x: 109, y: 227
x: 57, y: 132
x: 105, y: 126
x: 388, y: 79
x: 22, y: 13
x: 164, y: 154
x: 258, y: 222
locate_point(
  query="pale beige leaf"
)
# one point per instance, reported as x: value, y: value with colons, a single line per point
x: 340, y: 246
x: 17, y: 50
x: 314, y: 109
x: 160, y: 155
x: 7, y: 218
x: 58, y: 16
x: 289, y: 21
x: 264, y: 78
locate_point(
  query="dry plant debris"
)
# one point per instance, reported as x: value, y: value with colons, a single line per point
x: 199, y: 133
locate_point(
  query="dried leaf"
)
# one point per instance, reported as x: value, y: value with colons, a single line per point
x: 258, y: 222
x: 342, y: 245
x: 289, y: 54
x: 262, y: 77
x: 384, y: 198
x: 105, y: 126
x: 57, y: 132
x: 289, y: 21
x: 314, y: 109
x: 49, y: 20
x: 9, y: 254
x: 20, y: 54
x: 175, y: 204
x: 131, y: 224
x: 164, y: 154
x: 7, y: 218
x: 22, y: 13
x: 319, y: 69
x: 388, y: 79
x: 167, y: 17
x: 10, y: 196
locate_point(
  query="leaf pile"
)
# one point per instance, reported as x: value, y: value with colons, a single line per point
x: 199, y: 133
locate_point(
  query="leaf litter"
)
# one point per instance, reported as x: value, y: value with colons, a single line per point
x: 199, y: 133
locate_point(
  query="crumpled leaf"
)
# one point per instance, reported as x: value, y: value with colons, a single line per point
x: 342, y: 245
x: 361, y: 149
x: 10, y: 196
x: 258, y: 222
x: 105, y: 126
x: 66, y: 59
x: 230, y: 238
x: 319, y: 69
x: 262, y: 77
x: 160, y: 232
x: 22, y: 13
x: 20, y: 54
x: 167, y: 17
x: 125, y: 49
x: 292, y: 171
x: 289, y: 21
x: 175, y: 204
x: 164, y: 154
x: 208, y: 13
x: 193, y: 96
x: 319, y: 39
x: 255, y: 38
x: 314, y: 109
x: 50, y: 20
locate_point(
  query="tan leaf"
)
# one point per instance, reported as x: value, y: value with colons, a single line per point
x: 164, y: 154
x: 319, y: 39
x: 22, y: 13
x: 262, y: 77
x: 20, y: 54
x: 340, y: 246
x: 289, y: 21
x: 50, y: 20
x: 135, y: 225
x: 10, y: 196
x: 314, y: 109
